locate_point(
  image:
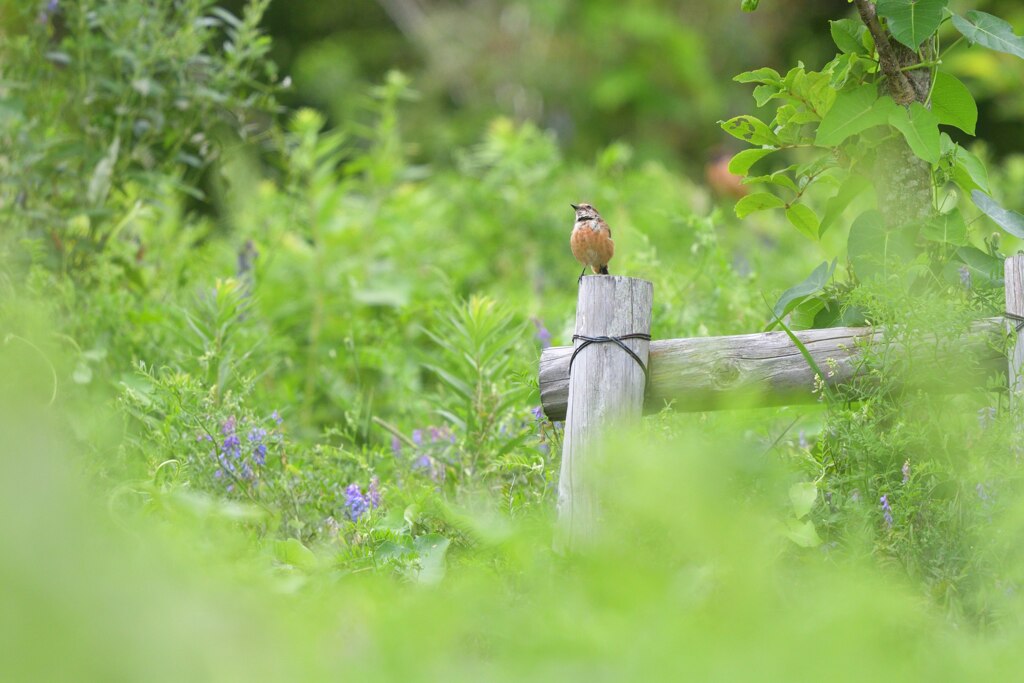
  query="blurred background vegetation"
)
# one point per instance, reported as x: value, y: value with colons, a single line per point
x: 654, y: 73
x: 274, y: 280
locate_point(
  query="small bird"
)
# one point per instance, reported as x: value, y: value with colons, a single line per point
x: 591, y: 240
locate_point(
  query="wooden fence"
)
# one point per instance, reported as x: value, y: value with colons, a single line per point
x: 608, y: 387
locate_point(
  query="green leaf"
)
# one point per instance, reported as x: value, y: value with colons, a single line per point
x: 911, y: 21
x: 968, y: 171
x: 802, y: 533
x: 875, y: 251
x: 853, y: 112
x: 814, y: 283
x: 920, y: 127
x: 948, y: 228
x: 802, y: 497
x: 847, y: 35
x: 759, y: 201
x: 741, y: 163
x: 987, y: 270
x: 432, y: 550
x: 1010, y: 221
x: 765, y: 75
x: 777, y: 178
x: 840, y: 69
x: 953, y: 103
x: 850, y: 189
x: 989, y: 31
x: 763, y: 93
x: 749, y: 5
x: 291, y: 551
x: 750, y: 129
x: 804, y: 220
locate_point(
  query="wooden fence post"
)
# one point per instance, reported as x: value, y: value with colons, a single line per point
x: 606, y: 391
x: 1013, y: 271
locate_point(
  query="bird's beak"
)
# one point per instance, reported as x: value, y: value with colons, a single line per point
x: 574, y: 207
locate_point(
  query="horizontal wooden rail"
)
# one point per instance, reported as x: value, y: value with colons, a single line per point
x: 711, y: 373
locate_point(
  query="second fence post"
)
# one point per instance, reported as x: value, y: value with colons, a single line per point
x: 1014, y: 282
x: 606, y: 392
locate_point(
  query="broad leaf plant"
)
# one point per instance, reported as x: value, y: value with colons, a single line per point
x: 869, y: 130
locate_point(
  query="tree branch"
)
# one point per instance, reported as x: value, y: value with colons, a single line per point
x: 899, y: 85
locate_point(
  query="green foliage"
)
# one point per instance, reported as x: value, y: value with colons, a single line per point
x: 292, y: 388
x: 130, y: 107
x: 844, y: 130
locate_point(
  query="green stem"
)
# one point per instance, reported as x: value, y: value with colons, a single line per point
x: 951, y: 46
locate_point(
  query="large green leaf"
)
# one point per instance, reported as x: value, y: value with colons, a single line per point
x: 953, y: 103
x: 802, y: 497
x: 765, y: 74
x: 849, y: 190
x: 875, y: 250
x: 802, y: 533
x: 847, y: 35
x: 814, y: 283
x: 920, y: 127
x: 759, y: 201
x: 948, y: 228
x: 968, y: 170
x: 989, y: 31
x: 911, y: 21
x: 853, y: 112
x: 804, y: 220
x: 750, y: 129
x: 987, y: 270
x: 432, y: 550
x: 1010, y: 221
x: 741, y: 163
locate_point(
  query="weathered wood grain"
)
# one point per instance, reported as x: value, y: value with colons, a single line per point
x: 605, y: 391
x: 1013, y: 270
x: 710, y: 373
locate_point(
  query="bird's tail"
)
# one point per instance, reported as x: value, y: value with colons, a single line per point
x: 602, y: 270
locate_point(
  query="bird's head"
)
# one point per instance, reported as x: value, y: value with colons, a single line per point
x: 585, y: 212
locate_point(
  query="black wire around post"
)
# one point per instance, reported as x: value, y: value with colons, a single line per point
x: 587, y: 341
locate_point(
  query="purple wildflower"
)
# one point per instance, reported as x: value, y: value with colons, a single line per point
x: 886, y: 510
x: 276, y: 417
x: 423, y: 463
x: 47, y: 11
x: 965, y: 277
x: 247, y: 256
x: 232, y: 446
x: 855, y: 495
x: 543, y: 336
x: 259, y: 449
x: 417, y: 437
x: 396, y: 446
x: 538, y: 412
x: 906, y: 471
x: 355, y: 501
x: 373, y: 492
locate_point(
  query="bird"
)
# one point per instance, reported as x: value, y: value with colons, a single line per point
x: 591, y: 240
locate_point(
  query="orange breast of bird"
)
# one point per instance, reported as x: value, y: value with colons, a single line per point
x: 591, y: 247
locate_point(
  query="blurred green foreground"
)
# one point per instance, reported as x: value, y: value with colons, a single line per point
x: 691, y: 578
